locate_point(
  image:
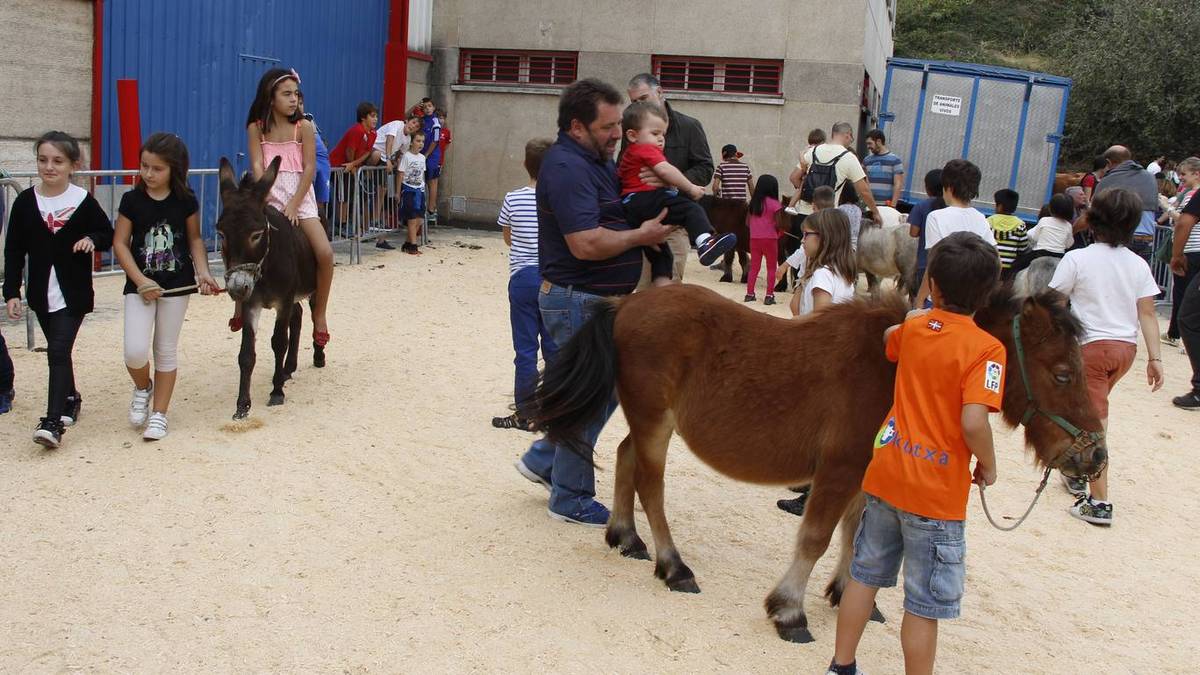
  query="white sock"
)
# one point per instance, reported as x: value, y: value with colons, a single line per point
x: 1098, y: 502
x: 703, y: 238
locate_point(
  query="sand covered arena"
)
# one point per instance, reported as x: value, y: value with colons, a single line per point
x: 375, y: 523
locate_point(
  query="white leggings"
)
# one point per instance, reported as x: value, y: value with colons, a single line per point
x: 163, y: 319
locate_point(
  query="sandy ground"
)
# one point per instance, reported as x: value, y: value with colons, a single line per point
x: 375, y: 524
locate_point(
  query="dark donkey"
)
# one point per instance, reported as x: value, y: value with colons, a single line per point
x: 664, y: 352
x: 268, y: 264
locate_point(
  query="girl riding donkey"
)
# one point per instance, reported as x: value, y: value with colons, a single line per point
x: 275, y: 127
x: 58, y: 225
x: 159, y: 245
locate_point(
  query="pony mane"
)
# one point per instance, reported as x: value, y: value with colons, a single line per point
x: 1005, y: 299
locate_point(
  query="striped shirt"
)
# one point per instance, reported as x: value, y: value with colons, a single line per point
x: 519, y: 213
x: 1011, y: 237
x: 1193, y: 241
x: 881, y: 172
x: 735, y: 180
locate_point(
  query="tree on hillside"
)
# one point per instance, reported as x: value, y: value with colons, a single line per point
x: 1136, y: 82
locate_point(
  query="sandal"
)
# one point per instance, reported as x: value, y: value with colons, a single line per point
x: 513, y: 421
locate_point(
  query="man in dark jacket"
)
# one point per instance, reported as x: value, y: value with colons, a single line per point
x: 686, y: 149
x: 1125, y: 173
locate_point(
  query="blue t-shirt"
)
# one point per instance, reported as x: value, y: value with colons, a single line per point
x: 577, y: 191
x: 881, y: 171
x: 916, y: 218
x: 432, y: 127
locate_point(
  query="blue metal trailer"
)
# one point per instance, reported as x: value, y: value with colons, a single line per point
x: 1008, y: 122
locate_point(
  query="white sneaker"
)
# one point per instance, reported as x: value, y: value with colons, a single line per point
x: 156, y: 427
x: 139, y: 407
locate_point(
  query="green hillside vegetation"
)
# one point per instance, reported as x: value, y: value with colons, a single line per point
x: 1136, y: 81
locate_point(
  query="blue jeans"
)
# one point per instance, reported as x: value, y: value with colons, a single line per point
x: 933, y: 552
x: 572, y: 478
x: 528, y: 330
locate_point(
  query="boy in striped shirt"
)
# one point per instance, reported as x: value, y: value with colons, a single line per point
x: 519, y: 222
x: 733, y: 179
x: 1010, y: 232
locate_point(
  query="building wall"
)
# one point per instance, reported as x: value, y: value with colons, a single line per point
x: 824, y: 47
x: 45, y: 75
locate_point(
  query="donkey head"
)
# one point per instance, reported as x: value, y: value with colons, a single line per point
x: 244, y: 226
x: 1048, y: 393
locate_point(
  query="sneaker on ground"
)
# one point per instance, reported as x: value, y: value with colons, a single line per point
x: 529, y: 474
x: 71, y: 414
x: 1189, y: 401
x: 1087, y: 510
x: 749, y: 298
x: 385, y: 245
x: 594, y: 514
x: 857, y: 671
x: 769, y: 300
x: 793, y: 506
x: 6, y: 400
x: 716, y: 246
x: 156, y: 427
x: 1076, y: 486
x: 48, y: 433
x: 139, y: 407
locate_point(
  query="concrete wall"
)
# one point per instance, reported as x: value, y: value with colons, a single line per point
x: 824, y: 47
x: 45, y: 75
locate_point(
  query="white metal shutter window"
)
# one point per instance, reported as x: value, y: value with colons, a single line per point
x: 420, y: 25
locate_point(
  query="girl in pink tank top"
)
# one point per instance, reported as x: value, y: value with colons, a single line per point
x: 275, y: 128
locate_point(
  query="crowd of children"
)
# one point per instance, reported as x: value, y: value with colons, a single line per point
x: 56, y: 227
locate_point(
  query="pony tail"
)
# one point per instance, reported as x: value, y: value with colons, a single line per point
x: 577, y: 384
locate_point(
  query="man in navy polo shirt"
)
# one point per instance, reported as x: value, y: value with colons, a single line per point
x: 586, y: 252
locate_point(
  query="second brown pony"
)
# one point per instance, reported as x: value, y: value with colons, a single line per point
x: 676, y: 358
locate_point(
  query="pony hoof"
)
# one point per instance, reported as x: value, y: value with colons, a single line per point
x: 877, y: 615
x: 728, y: 279
x: 318, y: 357
x: 635, y: 552
x: 796, y: 634
x: 276, y: 399
x: 685, y: 585
x: 242, y: 413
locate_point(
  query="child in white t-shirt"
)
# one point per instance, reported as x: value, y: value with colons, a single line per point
x: 1112, y: 292
x: 960, y: 184
x: 829, y: 273
x: 412, y: 191
x: 1052, y: 235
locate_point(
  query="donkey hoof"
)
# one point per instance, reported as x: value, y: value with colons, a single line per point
x: 276, y: 399
x: 796, y: 634
x: 877, y: 615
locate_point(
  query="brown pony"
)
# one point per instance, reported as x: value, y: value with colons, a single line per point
x: 676, y: 357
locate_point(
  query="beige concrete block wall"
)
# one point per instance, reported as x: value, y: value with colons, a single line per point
x: 45, y: 75
x: 823, y: 44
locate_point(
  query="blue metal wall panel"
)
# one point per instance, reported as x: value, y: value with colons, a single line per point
x: 197, y: 64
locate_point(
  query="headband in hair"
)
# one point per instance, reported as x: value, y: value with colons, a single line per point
x: 291, y: 73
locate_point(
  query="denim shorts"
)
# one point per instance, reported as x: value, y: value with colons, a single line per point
x: 933, y: 551
x: 412, y: 203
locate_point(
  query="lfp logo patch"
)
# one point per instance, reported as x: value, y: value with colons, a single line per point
x: 991, y: 378
x: 887, y: 434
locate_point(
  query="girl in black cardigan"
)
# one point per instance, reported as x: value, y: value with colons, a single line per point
x: 58, y: 225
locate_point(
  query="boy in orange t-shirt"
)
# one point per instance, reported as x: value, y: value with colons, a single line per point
x: 950, y: 375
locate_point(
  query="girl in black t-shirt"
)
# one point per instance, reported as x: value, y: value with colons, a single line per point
x: 159, y: 245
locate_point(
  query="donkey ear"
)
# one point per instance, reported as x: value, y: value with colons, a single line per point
x: 263, y: 186
x: 226, y: 177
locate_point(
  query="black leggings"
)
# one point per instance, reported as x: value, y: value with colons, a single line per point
x: 1180, y: 285
x: 6, y: 368
x: 60, y: 329
x: 643, y: 206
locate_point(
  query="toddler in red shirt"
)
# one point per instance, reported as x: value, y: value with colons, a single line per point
x: 645, y: 127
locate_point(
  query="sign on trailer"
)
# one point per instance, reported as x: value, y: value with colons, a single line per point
x: 946, y: 105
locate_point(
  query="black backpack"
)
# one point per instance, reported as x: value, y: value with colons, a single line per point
x: 820, y: 173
